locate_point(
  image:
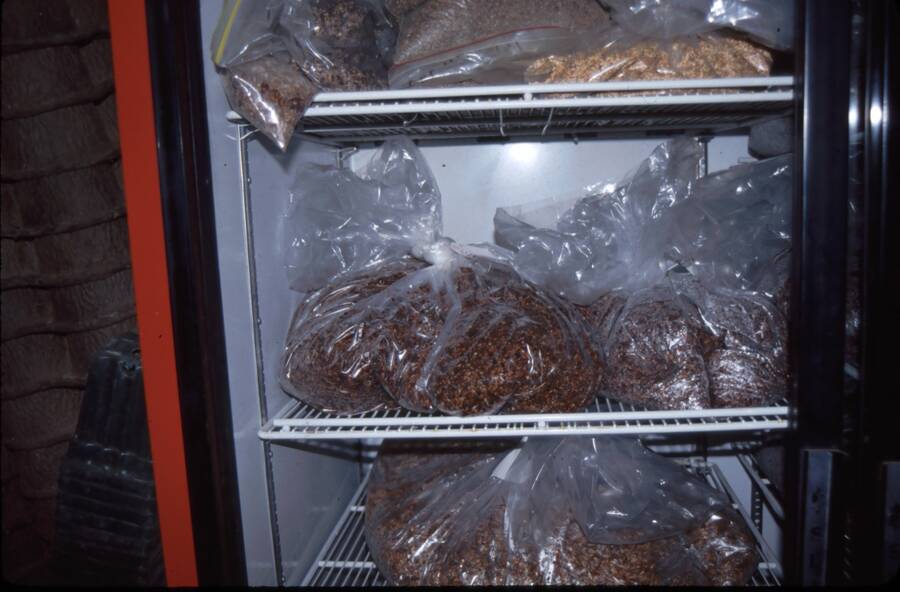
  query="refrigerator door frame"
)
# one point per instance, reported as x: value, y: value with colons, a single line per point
x: 876, y: 509
x: 157, y: 59
x: 162, y: 121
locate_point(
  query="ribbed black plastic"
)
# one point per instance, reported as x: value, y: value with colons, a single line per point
x: 107, y: 527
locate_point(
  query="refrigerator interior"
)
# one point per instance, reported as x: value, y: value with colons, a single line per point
x: 293, y: 493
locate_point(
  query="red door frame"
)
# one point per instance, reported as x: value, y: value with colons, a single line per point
x: 138, y: 142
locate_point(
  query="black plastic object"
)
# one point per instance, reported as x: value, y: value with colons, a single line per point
x: 107, y: 526
x: 771, y: 138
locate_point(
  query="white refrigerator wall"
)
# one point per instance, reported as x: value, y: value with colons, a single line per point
x: 477, y: 178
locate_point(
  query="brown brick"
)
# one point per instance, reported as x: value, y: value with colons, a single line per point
x: 37, y: 23
x: 40, y: 419
x: 42, y: 362
x: 61, y: 140
x: 54, y: 77
x: 65, y: 259
x: 68, y: 309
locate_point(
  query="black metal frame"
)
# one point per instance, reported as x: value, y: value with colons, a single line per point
x: 176, y: 61
x: 879, y: 406
x: 815, y: 516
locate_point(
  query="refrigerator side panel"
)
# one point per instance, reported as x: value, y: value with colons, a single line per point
x: 312, y: 484
x: 225, y: 159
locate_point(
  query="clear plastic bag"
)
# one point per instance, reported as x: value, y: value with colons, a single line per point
x: 685, y: 344
x: 340, y: 221
x: 590, y: 511
x: 748, y: 367
x: 621, y: 56
x: 455, y: 332
x: 770, y: 22
x: 274, y: 55
x: 401, y: 316
x: 736, y: 224
x: 673, y: 340
x: 608, y: 240
x: 656, y: 347
x: 463, y: 41
x: 271, y: 93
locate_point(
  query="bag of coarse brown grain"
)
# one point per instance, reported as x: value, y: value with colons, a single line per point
x: 569, y: 511
x: 444, y: 42
x: 275, y: 55
x: 618, y: 56
x: 395, y: 315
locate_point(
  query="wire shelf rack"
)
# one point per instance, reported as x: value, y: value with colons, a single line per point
x: 345, y: 560
x: 624, y: 108
x: 299, y: 421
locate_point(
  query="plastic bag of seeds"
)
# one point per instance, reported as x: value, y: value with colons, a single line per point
x: 443, y: 42
x: 684, y: 345
x: 452, y: 329
x: 275, y: 55
x: 770, y: 22
x: 340, y: 220
x: 588, y: 511
x: 620, y: 56
x: 670, y: 340
x: 399, y: 315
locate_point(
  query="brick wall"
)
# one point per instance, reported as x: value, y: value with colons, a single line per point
x: 65, y: 276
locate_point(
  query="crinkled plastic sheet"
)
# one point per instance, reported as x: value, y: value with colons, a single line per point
x: 618, y: 56
x: 590, y: 511
x: 340, y: 220
x: 770, y: 22
x: 736, y: 224
x: 275, y: 55
x: 608, y: 239
x: 473, y: 41
x: 672, y: 340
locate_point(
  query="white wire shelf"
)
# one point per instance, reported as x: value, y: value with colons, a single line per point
x: 345, y: 560
x: 299, y: 421
x: 622, y: 108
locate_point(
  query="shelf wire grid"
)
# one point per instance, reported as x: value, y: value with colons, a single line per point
x: 645, y: 107
x: 299, y: 421
x: 345, y: 560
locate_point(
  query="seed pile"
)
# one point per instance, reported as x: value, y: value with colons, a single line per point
x: 694, y: 350
x: 343, y: 52
x: 656, y: 351
x: 709, y: 56
x: 464, y: 341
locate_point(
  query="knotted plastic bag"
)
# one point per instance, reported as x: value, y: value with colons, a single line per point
x: 589, y: 511
x: 275, y: 55
x: 404, y: 317
x: 673, y: 340
x: 340, y: 220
